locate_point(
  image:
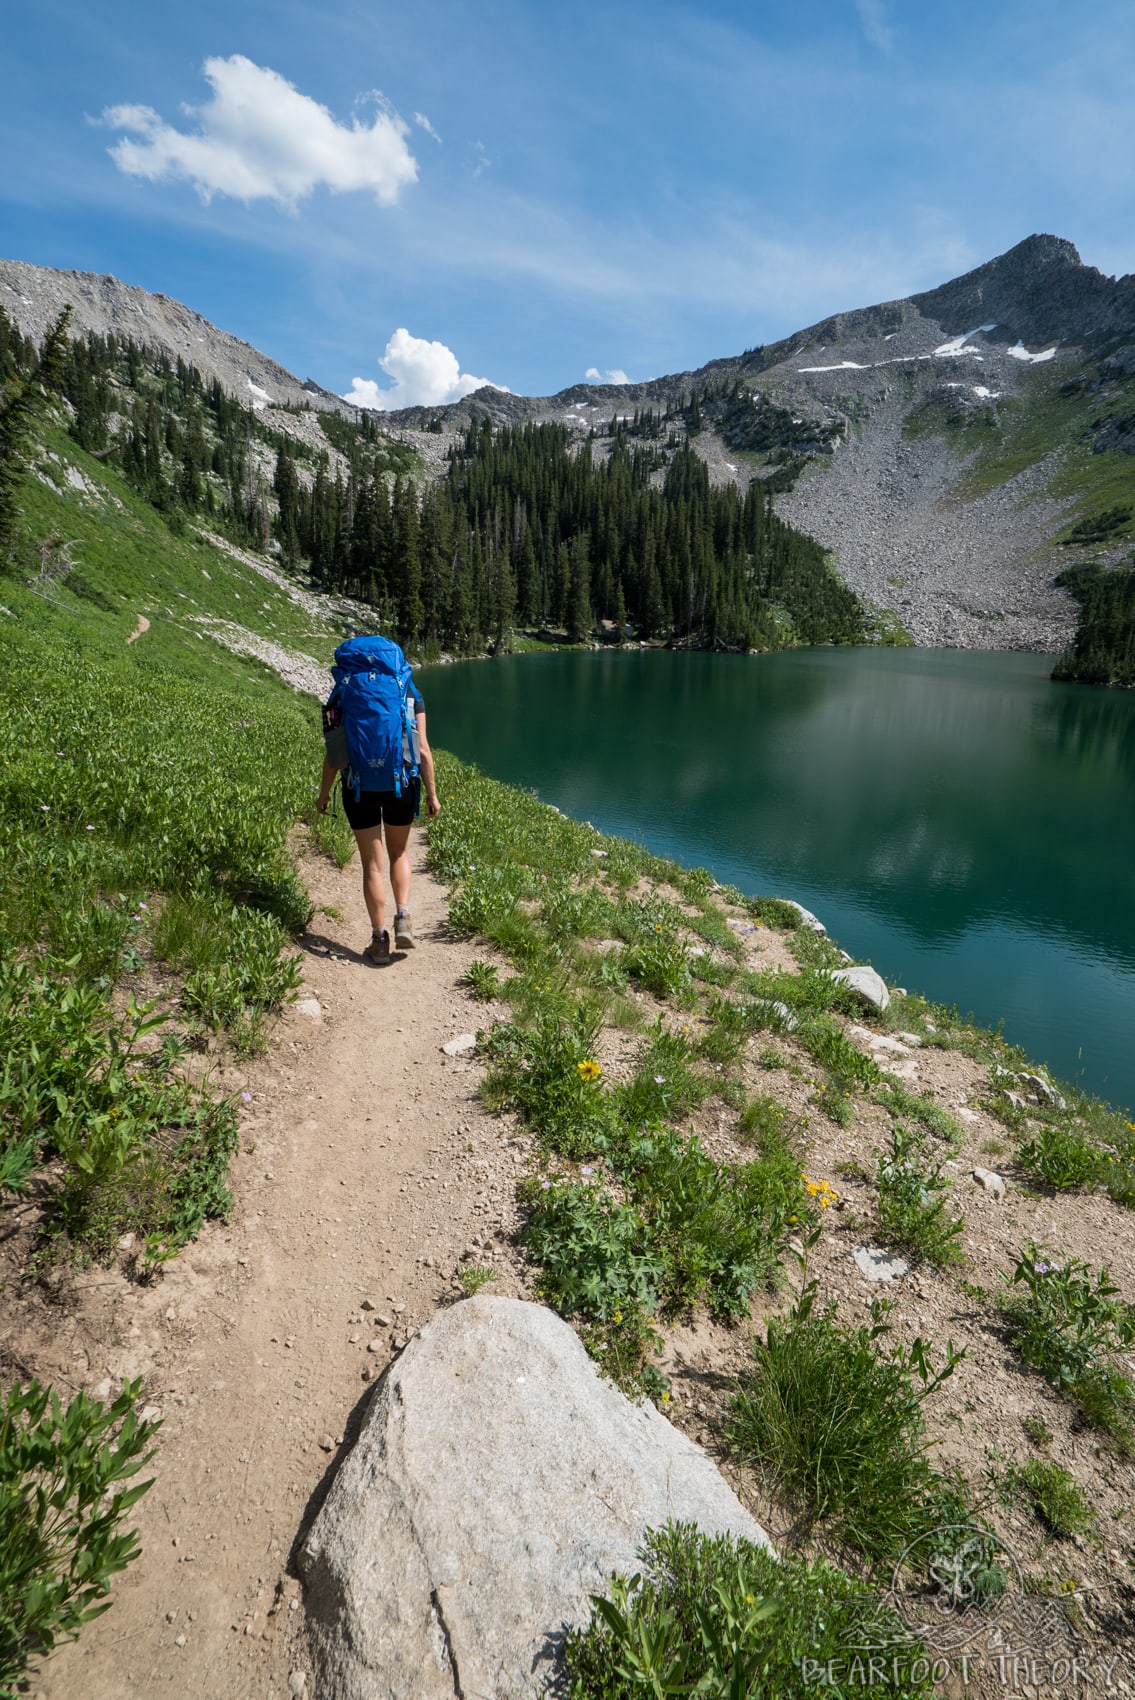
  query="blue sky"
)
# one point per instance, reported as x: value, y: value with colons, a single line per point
x: 530, y: 192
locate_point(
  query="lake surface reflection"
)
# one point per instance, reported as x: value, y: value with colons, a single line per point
x: 955, y: 817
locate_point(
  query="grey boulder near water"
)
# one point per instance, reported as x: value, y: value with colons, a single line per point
x: 496, y: 1483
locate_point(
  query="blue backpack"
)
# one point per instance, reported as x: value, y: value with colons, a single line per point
x: 372, y: 705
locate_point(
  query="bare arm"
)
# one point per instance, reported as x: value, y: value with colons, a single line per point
x: 329, y: 776
x: 426, y: 766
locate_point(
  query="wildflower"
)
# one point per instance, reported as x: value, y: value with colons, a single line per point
x: 589, y: 1070
x: 822, y: 1191
x: 659, y: 1080
x: 90, y: 828
x: 587, y: 1169
x: 666, y: 1398
x: 545, y: 1186
x: 618, y: 1316
x: 246, y: 1097
x: 143, y: 905
x: 46, y: 807
x: 1042, y: 1268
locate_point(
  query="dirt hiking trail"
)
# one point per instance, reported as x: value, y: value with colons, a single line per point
x: 367, y: 1170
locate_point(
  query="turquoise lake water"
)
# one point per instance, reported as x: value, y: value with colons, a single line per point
x: 954, y: 817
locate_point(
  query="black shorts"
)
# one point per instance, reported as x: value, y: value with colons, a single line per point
x: 378, y: 808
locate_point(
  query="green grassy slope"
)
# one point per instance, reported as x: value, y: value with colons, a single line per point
x: 128, y: 562
x: 146, y: 792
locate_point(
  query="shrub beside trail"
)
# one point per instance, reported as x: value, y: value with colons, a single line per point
x: 147, y: 897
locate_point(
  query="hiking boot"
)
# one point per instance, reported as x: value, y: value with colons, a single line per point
x: 378, y: 950
x: 403, y: 931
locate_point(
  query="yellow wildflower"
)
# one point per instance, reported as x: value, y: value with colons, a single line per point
x: 822, y: 1191
x: 589, y: 1070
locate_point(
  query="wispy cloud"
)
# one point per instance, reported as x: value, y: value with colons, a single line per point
x: 875, y: 25
x: 425, y: 374
x: 423, y: 123
x: 260, y: 138
x: 613, y: 375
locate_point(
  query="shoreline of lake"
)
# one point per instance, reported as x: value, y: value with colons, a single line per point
x: 953, y: 815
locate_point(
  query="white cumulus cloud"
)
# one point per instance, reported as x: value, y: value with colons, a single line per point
x: 425, y: 374
x: 260, y: 138
x: 613, y: 375
x: 593, y: 374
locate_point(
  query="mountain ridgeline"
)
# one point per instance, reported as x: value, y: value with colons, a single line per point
x: 957, y: 466
x: 527, y: 527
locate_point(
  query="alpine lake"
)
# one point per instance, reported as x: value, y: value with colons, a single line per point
x: 954, y: 817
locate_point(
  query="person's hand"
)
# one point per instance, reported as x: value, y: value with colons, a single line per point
x: 433, y: 805
x: 322, y: 801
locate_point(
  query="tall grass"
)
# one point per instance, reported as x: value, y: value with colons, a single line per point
x: 143, y: 822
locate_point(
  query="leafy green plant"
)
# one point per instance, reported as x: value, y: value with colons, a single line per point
x: 659, y: 964
x: 913, y: 1201
x: 1059, y: 1155
x: 716, y: 1226
x: 471, y: 1277
x: 768, y: 1124
x: 919, y: 1107
x: 598, y: 1265
x: 61, y: 1509
x: 666, y: 1084
x: 1074, y: 1328
x: 836, y: 1422
x: 775, y: 912
x: 141, y: 1148
x: 719, y: 1616
x: 482, y: 981
x: 549, y: 1073
x: 1037, y: 1430
x: 846, y: 1067
x: 1053, y: 1494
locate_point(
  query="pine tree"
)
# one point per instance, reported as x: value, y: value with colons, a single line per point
x: 579, y: 620
x: 285, y: 484
x: 407, y: 573
x: 19, y: 421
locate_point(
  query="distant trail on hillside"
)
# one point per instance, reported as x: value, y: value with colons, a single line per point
x: 142, y: 626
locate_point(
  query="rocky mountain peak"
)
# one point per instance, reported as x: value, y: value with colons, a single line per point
x: 1039, y: 291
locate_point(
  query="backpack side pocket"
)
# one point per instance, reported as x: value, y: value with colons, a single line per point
x: 335, y: 736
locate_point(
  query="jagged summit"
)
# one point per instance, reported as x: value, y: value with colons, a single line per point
x: 1041, y: 291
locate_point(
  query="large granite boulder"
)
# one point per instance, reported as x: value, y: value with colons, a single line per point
x: 496, y: 1482
x: 866, y: 983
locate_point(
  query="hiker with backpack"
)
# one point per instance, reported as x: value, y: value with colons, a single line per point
x: 374, y: 734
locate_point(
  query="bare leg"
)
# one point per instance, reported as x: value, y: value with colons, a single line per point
x: 397, y: 849
x: 369, y: 841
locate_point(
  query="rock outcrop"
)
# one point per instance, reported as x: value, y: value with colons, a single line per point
x: 496, y: 1482
x: 866, y: 983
